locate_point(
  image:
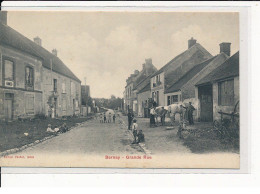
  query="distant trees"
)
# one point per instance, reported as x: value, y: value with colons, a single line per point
x: 111, y: 103
x: 87, y: 100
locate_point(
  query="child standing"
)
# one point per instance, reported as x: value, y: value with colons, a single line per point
x: 135, y: 130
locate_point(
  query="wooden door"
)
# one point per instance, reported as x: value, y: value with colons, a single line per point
x: 206, y: 103
x: 8, y: 109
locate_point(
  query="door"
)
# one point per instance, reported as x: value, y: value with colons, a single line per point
x: 8, y: 106
x: 55, y: 106
x: 8, y: 109
x: 73, y: 106
x: 206, y: 103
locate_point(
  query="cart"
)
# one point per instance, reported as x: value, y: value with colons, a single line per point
x: 228, y: 126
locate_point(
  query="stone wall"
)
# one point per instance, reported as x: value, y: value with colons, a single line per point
x: 22, y: 98
x: 141, y: 98
x: 65, y: 96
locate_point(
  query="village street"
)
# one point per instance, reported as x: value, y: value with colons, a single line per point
x: 109, y: 138
x: 90, y: 138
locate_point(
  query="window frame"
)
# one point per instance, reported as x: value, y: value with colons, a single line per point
x: 54, y: 85
x: 33, y: 73
x: 220, y: 96
x: 168, y: 100
x: 6, y: 58
x: 174, y: 97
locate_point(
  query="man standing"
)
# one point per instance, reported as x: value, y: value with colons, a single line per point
x: 190, y: 110
x: 152, y: 115
x: 130, y: 117
x: 163, y: 116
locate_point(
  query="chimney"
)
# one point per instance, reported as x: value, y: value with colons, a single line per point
x: 3, y: 17
x: 54, y: 52
x: 148, y: 61
x: 225, y: 48
x: 148, y: 66
x: 38, y: 41
x: 191, y: 42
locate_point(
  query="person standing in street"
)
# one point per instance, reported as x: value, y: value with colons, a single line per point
x: 105, y: 118
x: 130, y: 117
x: 190, y: 110
x: 152, y: 117
x: 135, y: 131
x: 114, y: 118
x: 163, y: 116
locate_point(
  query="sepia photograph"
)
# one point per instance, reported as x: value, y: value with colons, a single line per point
x: 120, y: 89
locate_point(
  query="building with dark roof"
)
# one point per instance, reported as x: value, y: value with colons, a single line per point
x: 175, y: 69
x: 32, y: 79
x: 183, y: 90
x: 218, y: 91
x: 135, y: 82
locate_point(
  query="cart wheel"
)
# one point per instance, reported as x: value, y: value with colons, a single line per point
x: 216, y: 124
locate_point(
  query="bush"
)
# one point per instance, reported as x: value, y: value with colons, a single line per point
x: 40, y: 116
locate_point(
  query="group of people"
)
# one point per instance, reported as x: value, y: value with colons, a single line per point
x: 188, y: 115
x: 132, y: 125
x: 107, y: 118
x: 62, y: 129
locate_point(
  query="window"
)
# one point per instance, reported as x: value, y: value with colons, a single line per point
x: 174, y: 98
x: 29, y: 77
x: 168, y: 100
x: 9, y: 70
x: 55, y: 87
x: 226, y: 93
x: 29, y: 104
x: 8, y: 73
x: 63, y: 88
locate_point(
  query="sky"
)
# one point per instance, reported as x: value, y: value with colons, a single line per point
x: 106, y: 47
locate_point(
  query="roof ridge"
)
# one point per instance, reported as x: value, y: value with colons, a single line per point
x: 197, y: 46
x: 27, y: 45
x: 206, y: 62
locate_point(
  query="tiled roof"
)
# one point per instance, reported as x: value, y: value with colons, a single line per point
x: 14, y: 39
x: 146, y: 79
x: 146, y: 88
x: 184, y: 57
x: 230, y: 68
x: 189, y: 75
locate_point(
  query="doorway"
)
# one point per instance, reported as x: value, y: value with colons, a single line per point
x: 55, y: 106
x: 8, y: 106
x: 206, y: 103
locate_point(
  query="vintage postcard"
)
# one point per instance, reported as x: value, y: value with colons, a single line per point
x: 120, y: 89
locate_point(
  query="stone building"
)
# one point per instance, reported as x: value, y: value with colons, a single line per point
x: 183, y: 90
x: 32, y: 79
x: 175, y: 69
x: 219, y: 90
x: 135, y: 82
